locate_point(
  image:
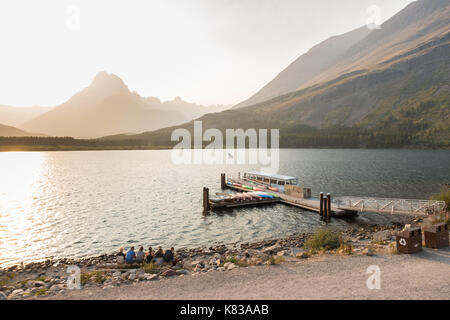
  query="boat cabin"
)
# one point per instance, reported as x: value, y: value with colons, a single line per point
x: 287, y: 184
x: 272, y: 179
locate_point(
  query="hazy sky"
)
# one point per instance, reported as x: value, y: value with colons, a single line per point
x: 206, y: 51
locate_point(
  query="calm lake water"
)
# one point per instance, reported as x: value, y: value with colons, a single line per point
x: 73, y: 204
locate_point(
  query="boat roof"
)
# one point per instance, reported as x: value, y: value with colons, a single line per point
x: 275, y: 176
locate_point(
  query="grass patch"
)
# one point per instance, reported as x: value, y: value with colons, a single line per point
x: 152, y: 268
x: 231, y: 259
x: 94, y: 276
x: 323, y: 240
x: 41, y: 292
x: 6, y: 278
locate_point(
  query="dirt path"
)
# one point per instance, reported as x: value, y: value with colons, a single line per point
x: 421, y: 276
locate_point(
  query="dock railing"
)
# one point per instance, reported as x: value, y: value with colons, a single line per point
x: 387, y: 205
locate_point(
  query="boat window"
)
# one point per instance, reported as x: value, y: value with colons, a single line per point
x: 281, y: 183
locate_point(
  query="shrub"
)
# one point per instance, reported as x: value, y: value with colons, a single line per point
x: 444, y: 195
x: 323, y: 239
x: 436, y: 218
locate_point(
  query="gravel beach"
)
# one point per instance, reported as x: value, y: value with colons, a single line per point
x: 425, y: 275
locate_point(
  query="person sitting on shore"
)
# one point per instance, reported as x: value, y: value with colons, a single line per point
x: 159, y: 253
x: 159, y: 256
x: 149, y: 256
x: 131, y: 256
x: 169, y: 256
x: 140, y: 255
x: 120, y: 256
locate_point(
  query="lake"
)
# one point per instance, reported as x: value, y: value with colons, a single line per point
x: 82, y: 203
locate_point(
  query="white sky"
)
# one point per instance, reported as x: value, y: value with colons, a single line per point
x: 206, y: 51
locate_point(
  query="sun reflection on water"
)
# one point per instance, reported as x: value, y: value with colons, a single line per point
x: 20, y: 175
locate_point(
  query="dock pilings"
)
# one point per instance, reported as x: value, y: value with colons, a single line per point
x: 325, y: 207
x: 321, y: 210
x: 328, y: 207
x: 223, y: 183
x: 205, y: 199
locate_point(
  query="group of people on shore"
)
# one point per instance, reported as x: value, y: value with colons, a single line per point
x: 139, y: 257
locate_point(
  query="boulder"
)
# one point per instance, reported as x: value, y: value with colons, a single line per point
x: 117, y: 274
x: 272, y: 249
x: 169, y: 273
x: 57, y: 287
x: 295, y: 251
x: 368, y: 251
x: 195, y: 263
x: 384, y: 235
x: 16, y: 294
x: 152, y: 277
x: 3, y: 296
x: 302, y: 255
x: 231, y: 266
x: 39, y: 283
x: 182, y: 271
x: 132, y: 276
x: 282, y: 253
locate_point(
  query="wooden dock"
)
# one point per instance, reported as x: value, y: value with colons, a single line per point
x: 305, y: 204
x: 260, y: 194
x: 313, y: 205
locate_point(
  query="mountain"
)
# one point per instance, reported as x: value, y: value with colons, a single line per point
x: 108, y: 107
x: 16, y: 116
x: 360, y: 49
x: 8, y: 131
x: 392, y: 86
x: 308, y: 66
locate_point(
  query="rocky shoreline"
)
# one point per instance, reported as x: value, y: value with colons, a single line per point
x: 50, y: 277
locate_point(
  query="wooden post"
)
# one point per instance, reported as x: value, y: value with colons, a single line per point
x: 328, y: 207
x: 205, y: 199
x: 222, y: 181
x: 321, y: 206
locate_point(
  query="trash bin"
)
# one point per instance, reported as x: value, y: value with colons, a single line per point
x: 436, y: 236
x: 409, y: 241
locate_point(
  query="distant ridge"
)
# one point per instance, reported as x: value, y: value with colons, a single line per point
x: 16, y: 116
x: 108, y: 107
x: 8, y: 131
